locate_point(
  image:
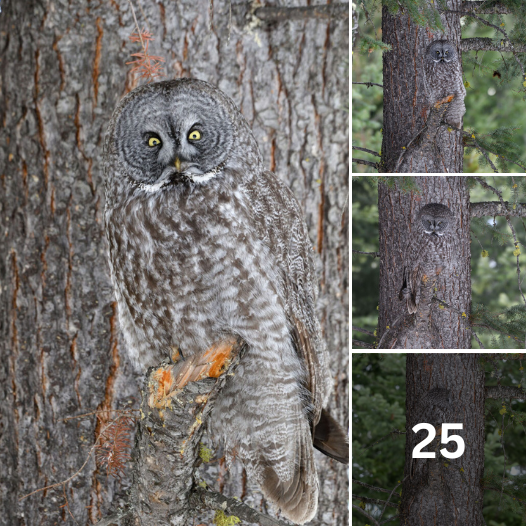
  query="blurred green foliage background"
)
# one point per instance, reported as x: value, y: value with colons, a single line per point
x: 491, y: 102
x: 493, y: 278
x: 378, y: 407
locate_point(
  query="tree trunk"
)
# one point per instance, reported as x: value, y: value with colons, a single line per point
x: 62, y: 72
x: 436, y: 150
x: 444, y: 491
x: 449, y: 319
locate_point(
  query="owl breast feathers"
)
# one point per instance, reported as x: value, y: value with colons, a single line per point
x: 443, y: 77
x: 206, y: 245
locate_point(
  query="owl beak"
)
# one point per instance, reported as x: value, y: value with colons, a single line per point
x: 177, y: 164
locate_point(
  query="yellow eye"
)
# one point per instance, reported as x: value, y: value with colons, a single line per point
x: 153, y: 141
x: 194, y: 135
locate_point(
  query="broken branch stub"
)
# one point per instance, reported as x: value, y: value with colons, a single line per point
x: 177, y: 400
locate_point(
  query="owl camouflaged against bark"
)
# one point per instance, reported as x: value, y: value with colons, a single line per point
x: 436, y: 407
x: 443, y: 77
x: 428, y: 252
x: 206, y: 245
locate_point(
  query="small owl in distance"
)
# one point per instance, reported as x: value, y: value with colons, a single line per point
x: 443, y: 77
x: 428, y: 251
x: 207, y: 245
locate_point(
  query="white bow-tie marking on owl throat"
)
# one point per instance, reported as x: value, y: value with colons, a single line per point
x: 166, y: 179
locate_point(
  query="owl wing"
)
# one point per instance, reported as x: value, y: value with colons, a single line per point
x: 280, y: 224
x: 414, y: 263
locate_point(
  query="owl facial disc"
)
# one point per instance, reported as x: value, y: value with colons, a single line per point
x: 434, y: 226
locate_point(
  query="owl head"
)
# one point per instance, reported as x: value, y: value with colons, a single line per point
x: 177, y: 133
x: 441, y: 51
x: 435, y: 219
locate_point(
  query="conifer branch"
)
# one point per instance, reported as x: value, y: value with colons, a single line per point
x: 507, y: 43
x: 488, y: 44
x: 374, y: 501
x: 477, y: 338
x: 480, y: 7
x: 365, y: 331
x: 498, y: 392
x: 367, y: 163
x: 374, y: 488
x: 495, y: 208
x: 391, y: 494
x: 490, y: 328
x: 472, y: 142
x: 366, y: 150
x: 385, y: 437
x: 505, y: 356
x: 372, y: 519
x: 397, y: 516
x: 499, y: 195
x: 375, y: 254
x: 362, y: 344
x: 369, y: 84
x: 485, y: 154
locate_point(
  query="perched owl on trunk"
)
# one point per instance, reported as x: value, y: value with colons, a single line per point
x: 428, y: 251
x: 206, y: 245
x: 443, y: 77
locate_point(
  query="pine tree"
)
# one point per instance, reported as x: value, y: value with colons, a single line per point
x: 411, y: 129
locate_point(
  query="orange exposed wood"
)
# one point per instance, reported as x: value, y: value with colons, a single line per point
x: 171, y: 378
x: 96, y: 62
x: 220, y: 356
x: 439, y: 103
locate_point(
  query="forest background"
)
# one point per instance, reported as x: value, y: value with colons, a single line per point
x: 493, y: 278
x: 491, y: 103
x: 378, y: 407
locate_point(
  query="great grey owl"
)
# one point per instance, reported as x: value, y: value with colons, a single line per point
x: 206, y: 245
x: 443, y: 77
x: 428, y: 251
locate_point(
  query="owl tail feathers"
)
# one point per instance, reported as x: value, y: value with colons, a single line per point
x: 331, y: 439
x: 297, y: 497
x: 405, y: 293
x: 411, y: 305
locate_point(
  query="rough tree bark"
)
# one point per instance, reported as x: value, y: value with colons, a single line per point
x: 62, y: 70
x: 444, y: 491
x: 405, y: 103
x: 397, y: 213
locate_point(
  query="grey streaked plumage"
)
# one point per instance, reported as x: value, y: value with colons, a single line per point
x: 443, y: 77
x: 204, y: 245
x: 428, y: 251
x: 435, y: 407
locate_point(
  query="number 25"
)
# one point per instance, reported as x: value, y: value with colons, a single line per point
x: 417, y: 451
